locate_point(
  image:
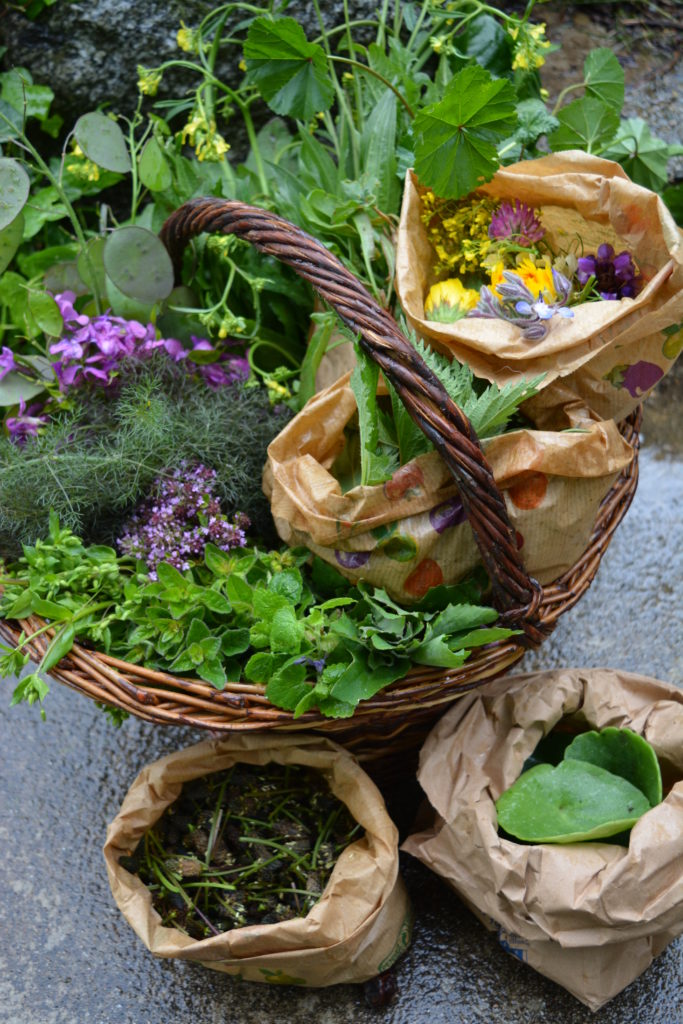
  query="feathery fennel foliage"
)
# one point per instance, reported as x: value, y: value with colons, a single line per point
x: 98, y: 460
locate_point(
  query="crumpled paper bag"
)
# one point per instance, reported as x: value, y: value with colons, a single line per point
x: 358, y: 928
x: 411, y: 533
x: 612, y: 352
x: 590, y: 916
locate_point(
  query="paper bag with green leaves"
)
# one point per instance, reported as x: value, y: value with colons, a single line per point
x: 571, y: 211
x: 362, y: 921
x: 589, y: 915
x: 392, y: 516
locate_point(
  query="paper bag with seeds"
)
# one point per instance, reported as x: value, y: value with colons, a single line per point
x: 354, y: 929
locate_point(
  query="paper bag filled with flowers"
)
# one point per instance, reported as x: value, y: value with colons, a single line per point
x: 560, y: 266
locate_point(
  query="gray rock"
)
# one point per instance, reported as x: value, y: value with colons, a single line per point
x: 87, y: 51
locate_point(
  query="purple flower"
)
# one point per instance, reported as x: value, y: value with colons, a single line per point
x: 615, y: 276
x: 27, y: 423
x: 7, y: 363
x: 517, y: 223
x: 518, y: 305
x: 177, y: 523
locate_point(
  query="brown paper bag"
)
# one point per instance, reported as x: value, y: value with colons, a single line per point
x: 590, y: 916
x: 410, y: 533
x: 358, y: 928
x: 612, y: 352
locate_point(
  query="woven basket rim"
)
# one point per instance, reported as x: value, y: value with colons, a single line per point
x: 162, y: 698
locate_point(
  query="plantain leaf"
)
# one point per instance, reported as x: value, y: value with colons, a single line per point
x: 290, y: 72
x: 457, y: 138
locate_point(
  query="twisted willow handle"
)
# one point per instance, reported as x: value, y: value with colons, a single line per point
x: 516, y: 596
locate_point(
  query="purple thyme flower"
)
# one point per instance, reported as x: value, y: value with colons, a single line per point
x: 518, y: 305
x: 7, y: 363
x: 615, y: 275
x: 517, y: 223
x: 26, y: 423
x: 180, y: 520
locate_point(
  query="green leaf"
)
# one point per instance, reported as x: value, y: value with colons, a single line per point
x: 673, y: 197
x: 45, y: 313
x: 44, y: 207
x: 30, y: 689
x: 488, y: 43
x: 288, y: 687
x: 50, y: 609
x: 59, y: 647
x: 155, y: 174
x: 14, y: 189
x: 378, y: 152
x: 316, y: 164
x: 288, y: 584
x: 138, y: 263
x: 260, y: 667
x: 10, y: 240
x: 574, y: 801
x: 213, y: 600
x: 604, y: 78
x: 359, y: 681
x: 11, y: 122
x: 234, y: 641
x: 14, y: 387
x: 643, y: 156
x: 534, y: 119
x: 621, y: 752
x: 290, y: 73
x: 103, y: 142
x: 584, y: 124
x: 363, y: 383
x: 286, y: 632
x: 212, y: 672
x: 457, y: 138
x: 324, y: 325
x: 437, y: 652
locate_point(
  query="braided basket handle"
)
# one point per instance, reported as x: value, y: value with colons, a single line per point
x: 516, y: 596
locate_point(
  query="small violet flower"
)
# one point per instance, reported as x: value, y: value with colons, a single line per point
x: 27, y: 423
x: 516, y: 223
x: 7, y: 363
x: 616, y: 276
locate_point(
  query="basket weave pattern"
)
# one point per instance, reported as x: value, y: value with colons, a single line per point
x: 402, y: 712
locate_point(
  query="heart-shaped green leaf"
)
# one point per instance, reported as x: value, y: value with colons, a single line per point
x: 624, y: 753
x: 457, y: 138
x: 572, y: 802
x: 290, y: 73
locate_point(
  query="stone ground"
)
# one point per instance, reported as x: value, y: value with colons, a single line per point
x: 68, y: 957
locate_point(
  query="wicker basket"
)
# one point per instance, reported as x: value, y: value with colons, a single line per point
x: 396, y: 720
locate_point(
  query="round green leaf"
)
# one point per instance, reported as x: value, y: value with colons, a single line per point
x: 103, y: 142
x: 14, y: 190
x: 10, y: 240
x: 90, y: 265
x: 572, y: 802
x: 624, y: 753
x: 45, y: 312
x: 155, y: 174
x: 138, y: 264
x: 64, y: 277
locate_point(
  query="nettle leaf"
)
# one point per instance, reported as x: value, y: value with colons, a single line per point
x: 457, y: 138
x: 643, y: 156
x: 584, y: 124
x: 103, y: 142
x: 604, y: 77
x: 14, y: 189
x: 624, y: 753
x: 572, y: 802
x: 290, y: 72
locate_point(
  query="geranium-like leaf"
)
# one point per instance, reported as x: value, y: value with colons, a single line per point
x: 457, y: 138
x: 624, y: 753
x: 102, y: 141
x: 534, y: 120
x: 604, y: 77
x: 290, y: 72
x: 572, y: 802
x: 584, y: 124
x: 643, y: 156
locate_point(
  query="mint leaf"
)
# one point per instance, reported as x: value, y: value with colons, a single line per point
x: 290, y: 72
x: 286, y: 632
x: 288, y: 584
x: 584, y: 124
x: 457, y: 138
x: 604, y: 78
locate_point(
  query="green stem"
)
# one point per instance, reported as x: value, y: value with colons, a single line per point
x: 565, y: 92
x: 375, y: 74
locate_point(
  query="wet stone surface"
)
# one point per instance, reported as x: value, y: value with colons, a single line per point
x: 69, y: 956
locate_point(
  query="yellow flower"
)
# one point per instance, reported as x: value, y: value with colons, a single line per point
x: 458, y: 231
x: 201, y: 134
x: 449, y: 300
x: 530, y: 46
x: 496, y: 272
x: 186, y: 38
x: 81, y: 167
x: 537, y: 278
x: 148, y: 80
x: 242, y: 65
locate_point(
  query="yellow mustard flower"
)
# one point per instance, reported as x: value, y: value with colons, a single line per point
x: 81, y: 167
x: 448, y: 301
x: 458, y: 231
x: 186, y: 38
x: 149, y: 80
x: 207, y: 142
x: 530, y: 46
